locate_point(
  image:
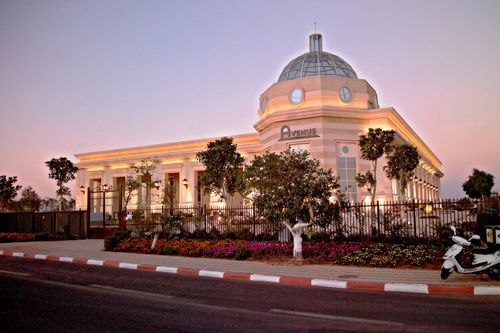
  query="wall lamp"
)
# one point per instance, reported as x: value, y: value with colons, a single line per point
x: 185, y: 182
x: 82, y: 189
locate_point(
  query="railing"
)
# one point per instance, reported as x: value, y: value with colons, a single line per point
x: 409, y: 219
x: 73, y: 222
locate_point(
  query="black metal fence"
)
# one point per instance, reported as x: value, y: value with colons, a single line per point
x: 411, y: 219
x: 72, y: 222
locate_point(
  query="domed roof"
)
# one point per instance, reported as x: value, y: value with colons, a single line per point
x: 316, y: 62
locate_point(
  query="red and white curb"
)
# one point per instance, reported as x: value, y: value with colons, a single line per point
x: 290, y: 280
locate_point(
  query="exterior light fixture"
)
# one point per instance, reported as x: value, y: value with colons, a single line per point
x: 106, y: 188
x: 185, y: 182
x: 82, y: 189
x: 420, y: 181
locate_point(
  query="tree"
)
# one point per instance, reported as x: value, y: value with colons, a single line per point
x: 30, y: 200
x: 373, y: 145
x: 222, y: 164
x: 131, y: 185
x: 402, y: 160
x: 8, y: 192
x: 62, y: 170
x: 145, y: 169
x: 479, y: 184
x: 291, y: 189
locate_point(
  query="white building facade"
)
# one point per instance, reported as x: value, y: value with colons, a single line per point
x: 318, y: 104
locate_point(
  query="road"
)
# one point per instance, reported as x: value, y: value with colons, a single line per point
x: 45, y: 296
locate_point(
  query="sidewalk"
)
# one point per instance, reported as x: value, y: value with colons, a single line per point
x: 335, y: 276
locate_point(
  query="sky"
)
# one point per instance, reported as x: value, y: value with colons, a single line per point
x: 82, y: 76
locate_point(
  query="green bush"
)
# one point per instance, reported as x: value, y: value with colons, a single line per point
x: 168, y: 250
x: 391, y: 255
x: 241, y: 254
x: 41, y: 236
x: 111, y: 242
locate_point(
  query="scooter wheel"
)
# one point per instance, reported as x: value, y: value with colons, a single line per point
x: 445, y: 273
x: 494, y: 273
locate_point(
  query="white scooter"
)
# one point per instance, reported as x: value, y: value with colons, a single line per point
x: 485, y: 260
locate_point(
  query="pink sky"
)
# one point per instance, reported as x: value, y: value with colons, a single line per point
x: 81, y: 76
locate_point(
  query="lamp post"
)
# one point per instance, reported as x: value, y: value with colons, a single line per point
x: 105, y: 188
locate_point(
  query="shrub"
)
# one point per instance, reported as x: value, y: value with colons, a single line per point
x: 111, y: 242
x: 241, y: 254
x: 214, y: 233
x: 168, y: 250
x: 390, y: 255
x: 41, y: 236
x: 199, y: 234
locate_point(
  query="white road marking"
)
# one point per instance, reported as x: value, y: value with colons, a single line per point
x: 14, y: 273
x: 486, y: 290
x: 133, y: 292
x: 329, y: 283
x: 265, y: 278
x: 127, y: 265
x: 342, y: 318
x: 166, y: 269
x: 214, y: 274
x: 66, y: 259
x: 407, y: 287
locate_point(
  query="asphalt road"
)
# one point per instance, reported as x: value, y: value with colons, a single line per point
x: 44, y: 296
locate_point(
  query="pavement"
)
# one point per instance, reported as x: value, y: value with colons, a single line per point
x: 424, y: 281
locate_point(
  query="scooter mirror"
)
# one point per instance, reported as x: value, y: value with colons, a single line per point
x: 475, y: 237
x: 453, y: 229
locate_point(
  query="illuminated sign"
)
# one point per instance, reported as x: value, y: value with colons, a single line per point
x: 287, y: 134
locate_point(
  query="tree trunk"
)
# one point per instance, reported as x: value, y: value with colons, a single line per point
x: 296, y: 232
x: 297, y: 245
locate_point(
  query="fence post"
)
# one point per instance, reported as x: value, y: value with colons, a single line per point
x: 80, y: 222
x: 414, y: 219
x: 33, y: 214
x: 378, y: 217
x: 254, y: 220
x: 54, y: 222
x: 205, y: 215
x: 87, y: 225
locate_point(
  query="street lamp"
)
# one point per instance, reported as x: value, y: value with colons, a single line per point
x: 105, y: 188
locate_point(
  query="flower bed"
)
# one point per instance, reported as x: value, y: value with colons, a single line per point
x: 9, y: 237
x: 361, y: 254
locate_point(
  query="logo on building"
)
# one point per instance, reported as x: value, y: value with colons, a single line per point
x: 287, y: 134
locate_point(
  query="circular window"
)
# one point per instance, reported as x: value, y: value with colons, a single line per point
x: 296, y: 96
x: 263, y: 105
x: 345, y: 150
x: 345, y: 95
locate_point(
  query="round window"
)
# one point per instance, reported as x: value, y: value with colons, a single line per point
x: 345, y: 150
x: 296, y: 96
x: 345, y: 95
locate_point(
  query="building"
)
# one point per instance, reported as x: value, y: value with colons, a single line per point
x: 318, y: 104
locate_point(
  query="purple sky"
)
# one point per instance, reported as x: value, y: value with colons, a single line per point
x: 80, y: 76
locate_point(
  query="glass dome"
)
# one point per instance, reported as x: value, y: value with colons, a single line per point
x: 316, y: 62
